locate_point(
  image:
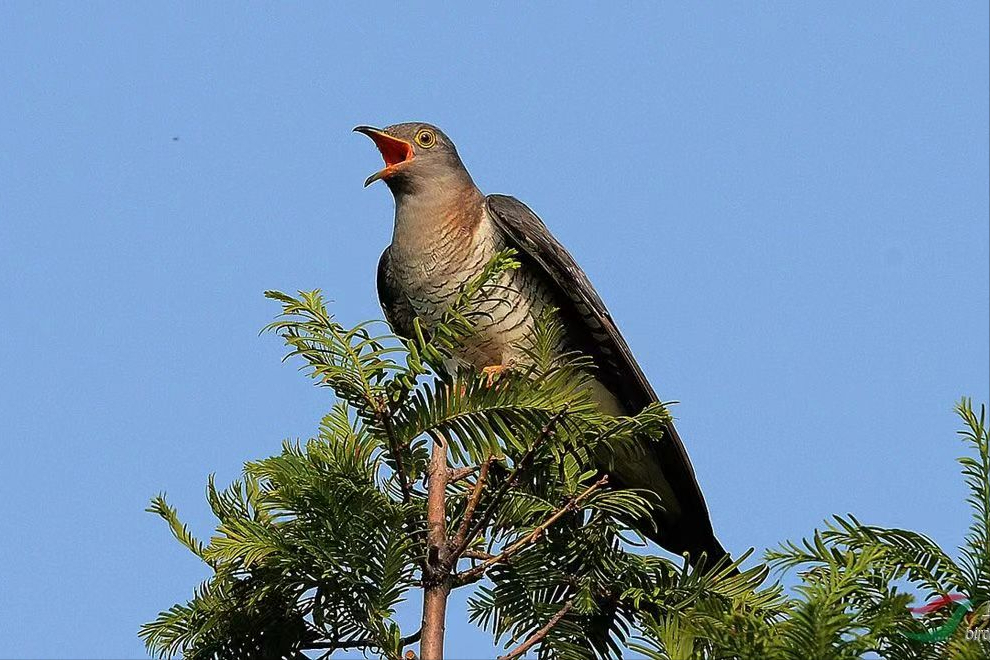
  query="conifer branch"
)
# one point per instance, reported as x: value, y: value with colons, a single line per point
x: 360, y: 644
x: 477, y: 572
x: 476, y: 554
x: 314, y: 550
x: 460, y: 541
x: 538, y: 636
x: 513, y: 478
x: 395, y: 447
x: 461, y: 473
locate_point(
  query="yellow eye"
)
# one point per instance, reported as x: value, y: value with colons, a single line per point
x: 426, y: 139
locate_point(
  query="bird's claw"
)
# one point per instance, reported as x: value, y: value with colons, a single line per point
x: 492, y: 372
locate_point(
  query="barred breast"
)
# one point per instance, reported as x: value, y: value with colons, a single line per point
x: 434, y: 254
x: 430, y: 268
x: 509, y: 316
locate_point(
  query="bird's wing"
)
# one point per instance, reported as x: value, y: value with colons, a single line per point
x: 616, y: 366
x: 611, y: 353
x: 398, y: 312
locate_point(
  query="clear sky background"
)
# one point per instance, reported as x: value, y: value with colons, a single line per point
x: 785, y: 207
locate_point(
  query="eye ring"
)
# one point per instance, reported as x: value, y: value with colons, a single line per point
x: 426, y: 138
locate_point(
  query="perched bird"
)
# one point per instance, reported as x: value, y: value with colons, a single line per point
x: 445, y: 231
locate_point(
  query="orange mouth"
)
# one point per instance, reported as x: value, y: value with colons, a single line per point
x: 394, y: 152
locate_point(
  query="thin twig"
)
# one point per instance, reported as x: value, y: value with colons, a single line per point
x: 476, y: 554
x: 459, y: 543
x: 521, y: 466
x: 475, y: 573
x: 361, y: 643
x: 461, y: 473
x: 538, y: 636
x: 395, y: 447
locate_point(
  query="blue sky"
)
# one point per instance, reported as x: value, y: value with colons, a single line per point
x: 784, y: 206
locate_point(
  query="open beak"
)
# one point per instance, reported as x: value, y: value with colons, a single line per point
x: 394, y: 151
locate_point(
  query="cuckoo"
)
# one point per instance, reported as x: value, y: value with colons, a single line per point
x: 445, y: 231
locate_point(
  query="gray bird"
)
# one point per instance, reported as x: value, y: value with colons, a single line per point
x: 445, y: 231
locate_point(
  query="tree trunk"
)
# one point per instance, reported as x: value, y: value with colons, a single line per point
x: 436, y: 578
x: 434, y: 621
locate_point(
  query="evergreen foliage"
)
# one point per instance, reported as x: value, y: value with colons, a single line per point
x: 316, y: 547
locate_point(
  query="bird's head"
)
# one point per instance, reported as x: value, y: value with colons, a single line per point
x: 418, y: 157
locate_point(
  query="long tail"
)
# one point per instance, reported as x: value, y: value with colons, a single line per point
x: 711, y: 556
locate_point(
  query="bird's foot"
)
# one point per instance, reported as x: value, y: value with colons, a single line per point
x: 492, y: 372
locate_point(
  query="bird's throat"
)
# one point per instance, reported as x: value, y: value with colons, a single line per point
x: 442, y: 220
